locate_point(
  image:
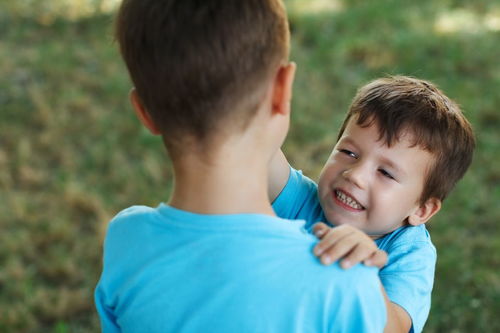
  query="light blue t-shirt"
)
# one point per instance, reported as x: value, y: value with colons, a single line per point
x: 408, y: 276
x: 168, y: 270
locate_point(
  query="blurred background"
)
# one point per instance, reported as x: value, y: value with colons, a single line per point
x: 72, y: 154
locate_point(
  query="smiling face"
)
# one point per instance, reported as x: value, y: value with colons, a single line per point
x: 372, y: 186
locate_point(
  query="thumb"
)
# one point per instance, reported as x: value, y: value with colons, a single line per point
x: 320, y: 229
x: 377, y: 259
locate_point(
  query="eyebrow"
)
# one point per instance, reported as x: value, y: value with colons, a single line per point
x: 346, y: 139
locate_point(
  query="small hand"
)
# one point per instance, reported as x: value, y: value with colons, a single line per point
x: 349, y: 243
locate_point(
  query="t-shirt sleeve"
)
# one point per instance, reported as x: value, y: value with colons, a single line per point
x: 106, y: 316
x: 299, y: 200
x: 117, y: 251
x: 297, y: 190
x: 102, y: 291
x: 408, y: 279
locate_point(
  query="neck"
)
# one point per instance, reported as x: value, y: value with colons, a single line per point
x: 233, y: 181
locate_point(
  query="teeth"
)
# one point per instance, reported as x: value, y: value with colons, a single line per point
x: 348, y: 200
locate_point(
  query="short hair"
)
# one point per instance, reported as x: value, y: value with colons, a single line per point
x: 195, y: 63
x: 404, y: 105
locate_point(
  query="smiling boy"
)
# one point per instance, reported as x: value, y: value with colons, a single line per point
x: 401, y: 149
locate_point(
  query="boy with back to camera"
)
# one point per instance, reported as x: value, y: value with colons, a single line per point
x: 213, y: 79
x: 401, y: 149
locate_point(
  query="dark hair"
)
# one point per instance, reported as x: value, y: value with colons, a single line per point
x: 197, y: 63
x: 400, y: 105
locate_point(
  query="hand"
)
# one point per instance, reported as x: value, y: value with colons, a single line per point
x: 349, y: 243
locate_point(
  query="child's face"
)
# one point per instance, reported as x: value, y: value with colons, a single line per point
x: 369, y: 185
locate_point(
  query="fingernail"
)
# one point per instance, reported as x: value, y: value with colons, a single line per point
x: 319, y: 232
x: 326, y: 260
x: 368, y: 262
x: 346, y: 264
x: 318, y: 250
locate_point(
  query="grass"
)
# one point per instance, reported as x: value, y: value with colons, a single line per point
x: 72, y: 153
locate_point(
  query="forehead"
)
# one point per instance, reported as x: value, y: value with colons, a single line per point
x: 402, y: 152
x: 403, y: 134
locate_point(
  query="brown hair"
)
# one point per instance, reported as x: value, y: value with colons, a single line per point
x: 195, y: 63
x: 401, y: 105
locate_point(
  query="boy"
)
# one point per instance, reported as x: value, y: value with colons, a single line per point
x: 212, y: 77
x: 402, y: 147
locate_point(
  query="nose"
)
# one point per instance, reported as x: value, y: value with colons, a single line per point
x: 357, y: 175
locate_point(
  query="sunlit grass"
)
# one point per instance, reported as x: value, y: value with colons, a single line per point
x: 466, y: 21
x: 314, y: 6
x: 46, y: 12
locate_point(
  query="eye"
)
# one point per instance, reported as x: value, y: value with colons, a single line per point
x: 348, y: 153
x: 385, y: 173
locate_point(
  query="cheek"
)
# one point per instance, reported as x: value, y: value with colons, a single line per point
x: 413, y: 192
x: 321, y: 184
x: 397, y: 201
x: 325, y: 178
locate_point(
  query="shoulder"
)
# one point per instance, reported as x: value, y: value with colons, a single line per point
x: 128, y: 229
x: 133, y: 217
x: 355, y: 300
x: 295, y: 253
x: 124, y: 239
x: 407, y: 239
x: 351, y: 299
x: 410, y: 251
x: 133, y: 213
x: 412, y: 260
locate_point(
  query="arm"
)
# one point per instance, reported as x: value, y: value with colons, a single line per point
x: 279, y: 171
x: 398, y: 319
x: 408, y: 278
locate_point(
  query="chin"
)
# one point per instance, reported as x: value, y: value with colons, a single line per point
x: 337, y: 220
x: 334, y: 219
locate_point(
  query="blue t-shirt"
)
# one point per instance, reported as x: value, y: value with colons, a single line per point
x: 408, y: 276
x: 168, y: 270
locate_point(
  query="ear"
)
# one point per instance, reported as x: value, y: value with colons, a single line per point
x: 424, y: 212
x: 142, y: 113
x: 282, y: 92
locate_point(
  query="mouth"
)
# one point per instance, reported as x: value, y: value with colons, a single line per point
x: 347, y: 201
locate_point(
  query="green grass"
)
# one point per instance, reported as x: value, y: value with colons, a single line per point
x: 72, y: 153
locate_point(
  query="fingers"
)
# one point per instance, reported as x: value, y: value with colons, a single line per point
x: 335, y: 246
x: 378, y: 259
x: 358, y: 253
x: 329, y: 236
x: 349, y: 244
